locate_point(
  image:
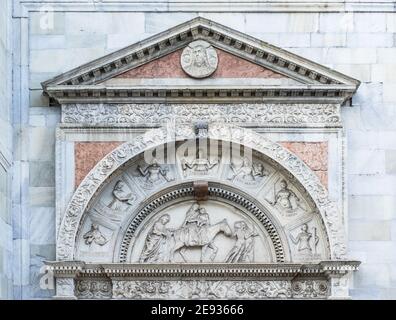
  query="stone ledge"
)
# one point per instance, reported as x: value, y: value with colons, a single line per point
x: 23, y: 8
x: 62, y: 269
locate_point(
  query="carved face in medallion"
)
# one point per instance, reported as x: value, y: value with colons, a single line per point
x: 199, y: 59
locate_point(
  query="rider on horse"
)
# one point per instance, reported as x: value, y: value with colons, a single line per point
x: 196, y: 220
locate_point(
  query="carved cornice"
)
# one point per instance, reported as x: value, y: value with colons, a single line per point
x: 201, y: 94
x: 82, y: 83
x: 201, y: 270
x: 24, y: 7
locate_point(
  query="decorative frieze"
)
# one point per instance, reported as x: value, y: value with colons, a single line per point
x: 204, y: 281
x: 153, y: 115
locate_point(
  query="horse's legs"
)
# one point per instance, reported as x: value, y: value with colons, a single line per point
x: 215, y: 249
x: 203, y: 252
x: 182, y: 251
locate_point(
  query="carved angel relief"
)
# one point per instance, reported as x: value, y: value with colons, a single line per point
x: 154, y: 173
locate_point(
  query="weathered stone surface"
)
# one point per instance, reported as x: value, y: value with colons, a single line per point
x: 390, y: 161
x: 314, y: 154
x: 41, y: 174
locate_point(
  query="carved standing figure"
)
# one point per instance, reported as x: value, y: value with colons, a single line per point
x: 244, y: 245
x: 156, y: 246
x: 303, y: 240
x: 153, y: 172
x: 94, y: 236
x: 122, y: 196
x: 200, y: 165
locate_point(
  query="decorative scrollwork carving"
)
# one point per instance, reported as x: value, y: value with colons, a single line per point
x: 159, y: 114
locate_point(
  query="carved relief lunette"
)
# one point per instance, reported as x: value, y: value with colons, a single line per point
x: 196, y: 231
x: 307, y: 178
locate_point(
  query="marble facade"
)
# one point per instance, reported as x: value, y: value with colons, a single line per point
x: 356, y: 144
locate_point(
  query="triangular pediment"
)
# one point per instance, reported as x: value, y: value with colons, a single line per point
x: 240, y: 56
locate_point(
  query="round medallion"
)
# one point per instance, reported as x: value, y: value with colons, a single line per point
x: 199, y: 59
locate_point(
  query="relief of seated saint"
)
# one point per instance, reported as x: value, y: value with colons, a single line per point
x: 286, y: 199
x: 248, y: 171
x: 122, y: 196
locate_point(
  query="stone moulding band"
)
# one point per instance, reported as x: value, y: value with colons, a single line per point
x: 243, y: 114
x: 209, y: 94
x: 76, y: 269
x: 216, y: 190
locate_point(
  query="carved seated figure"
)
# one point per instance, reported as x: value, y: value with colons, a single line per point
x: 196, y: 220
x: 286, y: 199
x: 122, y: 196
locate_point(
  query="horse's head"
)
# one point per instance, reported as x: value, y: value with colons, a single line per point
x: 226, y: 228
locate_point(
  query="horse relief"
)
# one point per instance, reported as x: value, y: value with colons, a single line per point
x: 162, y: 243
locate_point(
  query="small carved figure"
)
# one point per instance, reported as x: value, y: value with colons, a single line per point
x: 157, y: 241
x: 244, y: 245
x: 200, y: 165
x: 154, y: 172
x: 286, y: 199
x: 248, y: 171
x: 122, y: 196
x: 303, y: 240
x: 94, y: 236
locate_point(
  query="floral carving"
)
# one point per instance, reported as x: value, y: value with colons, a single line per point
x: 157, y: 114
